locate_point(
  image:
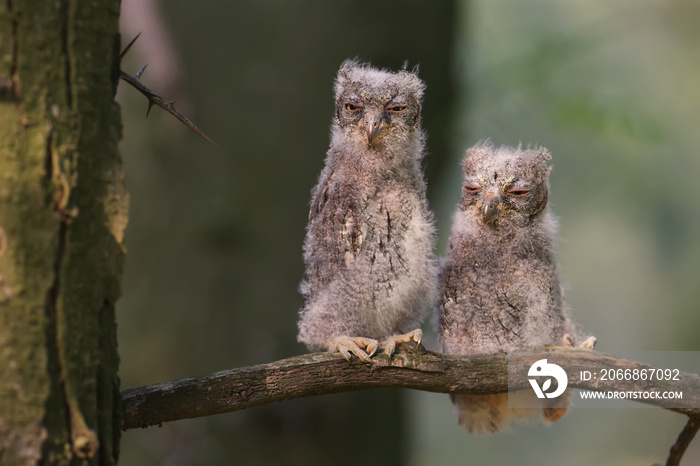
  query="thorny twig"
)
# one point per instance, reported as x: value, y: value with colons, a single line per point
x: 155, y: 99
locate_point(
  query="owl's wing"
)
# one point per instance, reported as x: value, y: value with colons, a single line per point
x: 446, y: 279
x: 320, y: 197
x: 335, y: 211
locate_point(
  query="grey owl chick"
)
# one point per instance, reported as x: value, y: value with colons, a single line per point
x: 498, y: 285
x: 370, y: 269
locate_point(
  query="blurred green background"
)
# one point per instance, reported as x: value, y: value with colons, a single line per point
x: 214, y: 240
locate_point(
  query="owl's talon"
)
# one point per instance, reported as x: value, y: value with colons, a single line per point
x: 371, y: 347
x: 389, y: 344
x: 589, y: 343
x: 566, y: 339
x: 346, y: 345
x: 417, y: 336
x: 344, y: 353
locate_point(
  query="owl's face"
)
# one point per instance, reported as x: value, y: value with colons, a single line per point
x: 504, y: 186
x: 375, y: 106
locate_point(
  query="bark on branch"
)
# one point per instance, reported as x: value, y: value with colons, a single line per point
x: 323, y: 373
x: 684, y: 439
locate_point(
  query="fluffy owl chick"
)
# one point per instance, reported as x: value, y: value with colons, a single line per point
x: 370, y: 269
x: 498, y: 284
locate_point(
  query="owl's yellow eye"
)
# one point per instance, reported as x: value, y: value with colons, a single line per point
x: 396, y: 109
x: 471, y: 189
x: 518, y: 192
x: 351, y: 107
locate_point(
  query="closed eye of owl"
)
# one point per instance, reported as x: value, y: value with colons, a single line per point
x: 370, y: 267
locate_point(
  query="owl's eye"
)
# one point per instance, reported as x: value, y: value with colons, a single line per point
x: 471, y: 189
x: 396, y: 109
x: 352, y: 107
x: 518, y: 192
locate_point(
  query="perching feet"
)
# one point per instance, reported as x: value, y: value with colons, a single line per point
x: 388, y: 344
x: 361, y: 347
x: 364, y: 348
x: 588, y: 343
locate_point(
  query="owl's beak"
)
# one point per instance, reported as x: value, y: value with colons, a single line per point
x: 489, y: 210
x: 375, y: 128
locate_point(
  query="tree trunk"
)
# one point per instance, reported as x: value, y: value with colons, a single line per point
x: 62, y: 218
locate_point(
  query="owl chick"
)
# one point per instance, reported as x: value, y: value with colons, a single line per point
x: 498, y: 285
x: 370, y: 270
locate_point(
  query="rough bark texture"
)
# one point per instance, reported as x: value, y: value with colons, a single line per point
x: 62, y: 218
x: 324, y: 373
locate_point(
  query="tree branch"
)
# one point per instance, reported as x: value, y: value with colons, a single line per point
x: 684, y: 439
x: 323, y: 373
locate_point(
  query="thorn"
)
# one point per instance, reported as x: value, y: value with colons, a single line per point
x: 126, y: 49
x: 155, y: 99
x: 140, y: 72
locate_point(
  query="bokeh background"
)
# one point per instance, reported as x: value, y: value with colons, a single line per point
x: 214, y: 240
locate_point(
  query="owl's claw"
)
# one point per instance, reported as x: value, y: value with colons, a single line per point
x: 588, y: 343
x: 389, y: 344
x: 354, y: 345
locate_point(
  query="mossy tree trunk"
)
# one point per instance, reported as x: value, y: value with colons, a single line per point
x: 62, y: 218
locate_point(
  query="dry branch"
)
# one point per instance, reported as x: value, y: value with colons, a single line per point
x: 323, y: 373
x: 684, y: 439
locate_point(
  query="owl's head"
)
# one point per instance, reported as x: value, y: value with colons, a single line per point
x: 505, y: 185
x: 377, y: 106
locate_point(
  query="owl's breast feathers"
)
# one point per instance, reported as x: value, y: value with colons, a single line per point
x: 497, y: 301
x: 361, y: 223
